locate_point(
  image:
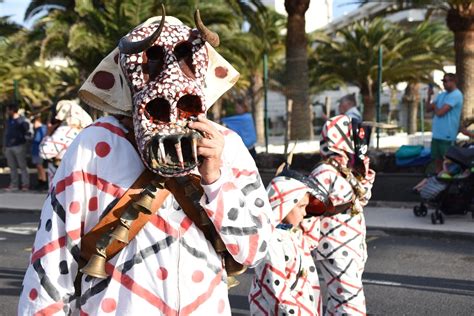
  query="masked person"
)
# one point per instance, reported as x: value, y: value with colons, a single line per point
x: 67, y: 120
x: 161, y: 77
x: 345, y: 175
x: 286, y: 281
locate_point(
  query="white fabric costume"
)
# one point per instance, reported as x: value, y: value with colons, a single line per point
x: 286, y: 281
x: 341, y: 252
x: 169, y: 268
x: 53, y: 147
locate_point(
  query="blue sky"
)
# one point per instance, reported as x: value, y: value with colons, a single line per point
x: 16, y: 8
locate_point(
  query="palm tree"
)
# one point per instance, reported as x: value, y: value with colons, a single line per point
x: 460, y: 20
x: 297, y: 78
x: 353, y: 56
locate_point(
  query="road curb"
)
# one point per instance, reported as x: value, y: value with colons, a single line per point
x: 19, y: 210
x: 422, y: 232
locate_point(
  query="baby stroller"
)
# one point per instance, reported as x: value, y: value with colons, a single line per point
x: 451, y: 191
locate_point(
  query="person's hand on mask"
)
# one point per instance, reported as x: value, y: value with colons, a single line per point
x: 210, y: 148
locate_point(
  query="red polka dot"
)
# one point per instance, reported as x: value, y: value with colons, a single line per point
x: 93, y: 202
x: 162, y: 273
x: 198, y: 276
x: 103, y: 80
x: 233, y: 249
x: 325, y: 225
x: 339, y: 290
x: 102, y: 149
x: 83, y: 314
x: 221, y: 307
x: 221, y: 72
x: 33, y: 294
x: 74, y: 207
x: 343, y: 233
x: 327, y: 181
x: 109, y: 305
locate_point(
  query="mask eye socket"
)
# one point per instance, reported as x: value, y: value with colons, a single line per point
x: 158, y: 111
x: 189, y: 105
x: 155, y: 56
x: 184, y: 54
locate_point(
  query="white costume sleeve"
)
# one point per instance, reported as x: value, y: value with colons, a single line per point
x: 237, y: 203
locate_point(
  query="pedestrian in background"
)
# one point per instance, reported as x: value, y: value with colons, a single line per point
x: 39, y: 132
x: 348, y: 106
x: 242, y: 123
x: 16, y: 133
x: 446, y: 108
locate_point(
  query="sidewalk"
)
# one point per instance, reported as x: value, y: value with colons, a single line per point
x: 393, y: 216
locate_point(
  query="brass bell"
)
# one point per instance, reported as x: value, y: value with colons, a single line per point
x: 143, y: 204
x: 233, y: 267
x: 232, y: 282
x: 95, y: 267
x: 121, y: 231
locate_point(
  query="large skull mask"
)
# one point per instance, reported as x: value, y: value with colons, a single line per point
x: 165, y: 67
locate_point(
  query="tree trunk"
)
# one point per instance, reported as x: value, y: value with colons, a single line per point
x: 297, y: 80
x: 369, y: 102
x: 256, y: 104
x: 411, y: 99
x: 461, y: 21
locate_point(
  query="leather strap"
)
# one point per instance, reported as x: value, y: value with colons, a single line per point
x: 112, y: 219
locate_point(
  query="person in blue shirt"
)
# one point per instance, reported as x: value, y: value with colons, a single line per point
x: 446, y: 108
x: 40, y: 131
x: 14, y: 148
x: 242, y: 123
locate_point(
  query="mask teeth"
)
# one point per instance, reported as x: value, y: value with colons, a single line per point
x: 162, y: 152
x: 179, y: 152
x: 154, y: 164
x: 194, y: 149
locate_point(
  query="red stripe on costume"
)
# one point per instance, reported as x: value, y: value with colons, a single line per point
x: 334, y: 122
x: 219, y: 214
x: 341, y: 243
x: 50, y: 310
x: 138, y: 290
x: 237, y: 172
x: 81, y: 176
x: 55, y: 244
x: 253, y: 242
x: 163, y: 225
x: 188, y: 309
x: 226, y: 132
x: 346, y: 225
x: 110, y: 127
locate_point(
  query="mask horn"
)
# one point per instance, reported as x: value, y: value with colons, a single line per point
x: 127, y: 46
x: 206, y: 34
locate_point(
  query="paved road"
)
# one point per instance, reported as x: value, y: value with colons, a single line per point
x: 405, y: 274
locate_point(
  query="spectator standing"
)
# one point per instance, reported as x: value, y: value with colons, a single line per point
x: 39, y: 133
x: 446, y: 108
x: 16, y: 133
x: 242, y: 123
x: 348, y: 106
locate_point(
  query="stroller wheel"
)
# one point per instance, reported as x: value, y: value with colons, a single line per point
x: 416, y: 211
x: 423, y: 210
x: 440, y: 218
x: 433, y: 219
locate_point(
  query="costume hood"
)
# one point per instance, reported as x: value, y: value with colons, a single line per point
x: 336, y: 137
x: 284, y: 193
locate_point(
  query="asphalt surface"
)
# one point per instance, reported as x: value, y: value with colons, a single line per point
x: 405, y: 274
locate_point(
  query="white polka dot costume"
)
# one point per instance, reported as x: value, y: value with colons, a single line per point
x: 169, y: 268
x: 341, y: 253
x: 53, y: 147
x: 286, y: 281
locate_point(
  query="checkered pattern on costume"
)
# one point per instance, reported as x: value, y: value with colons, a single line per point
x: 341, y: 253
x: 286, y: 281
x: 169, y: 268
